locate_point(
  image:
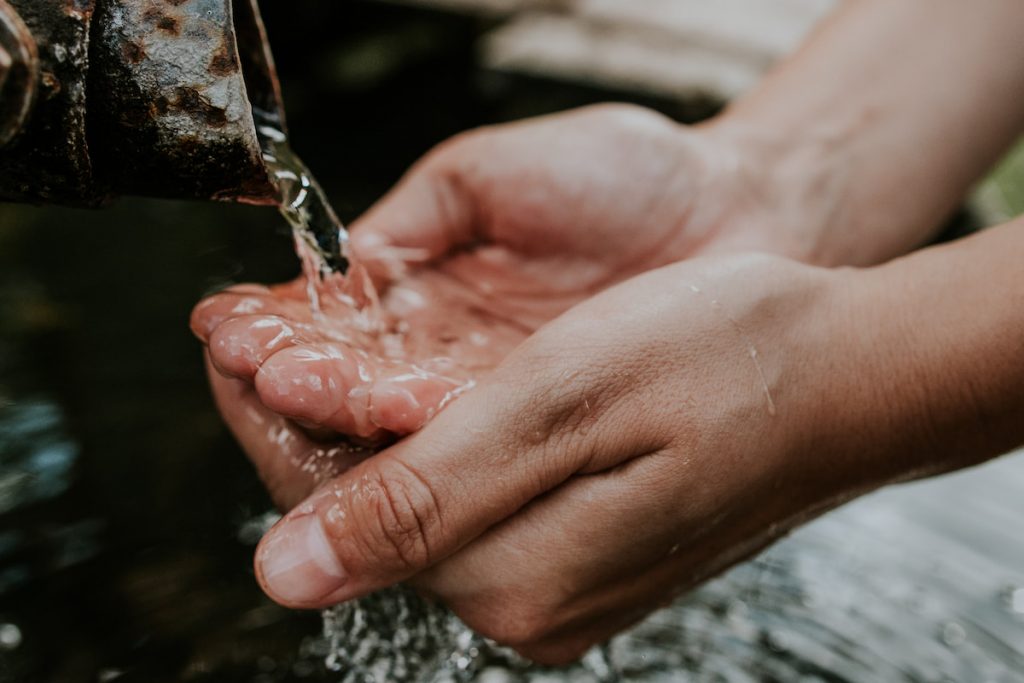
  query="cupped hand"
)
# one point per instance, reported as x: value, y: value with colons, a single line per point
x: 538, y: 215
x: 491, y: 235
x: 645, y: 440
x: 488, y: 238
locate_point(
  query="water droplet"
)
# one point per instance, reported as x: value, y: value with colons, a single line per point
x: 10, y: 636
x: 737, y: 609
x: 599, y: 663
x: 953, y: 634
x: 1013, y: 598
x: 776, y: 640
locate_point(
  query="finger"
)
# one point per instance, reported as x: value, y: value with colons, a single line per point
x: 240, y: 345
x: 530, y: 576
x: 430, y: 212
x: 347, y: 390
x: 402, y: 399
x: 239, y: 300
x: 289, y: 463
x: 587, y: 551
x: 483, y: 458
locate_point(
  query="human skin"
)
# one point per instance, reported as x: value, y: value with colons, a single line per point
x: 508, y: 244
x: 602, y: 469
x: 665, y: 428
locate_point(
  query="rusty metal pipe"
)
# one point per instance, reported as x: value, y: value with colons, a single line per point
x: 146, y: 97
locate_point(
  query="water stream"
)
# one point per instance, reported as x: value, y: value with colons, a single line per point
x: 322, y: 238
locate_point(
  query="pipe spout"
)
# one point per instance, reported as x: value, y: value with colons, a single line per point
x: 142, y: 97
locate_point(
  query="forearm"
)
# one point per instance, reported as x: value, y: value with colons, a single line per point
x: 936, y: 357
x: 885, y: 118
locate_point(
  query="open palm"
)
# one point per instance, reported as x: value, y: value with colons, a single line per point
x: 486, y: 239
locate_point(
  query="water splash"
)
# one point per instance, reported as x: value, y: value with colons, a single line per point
x: 395, y: 636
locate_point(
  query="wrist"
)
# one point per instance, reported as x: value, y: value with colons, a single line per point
x: 859, y: 397
x: 794, y: 192
x: 920, y: 371
x: 871, y: 410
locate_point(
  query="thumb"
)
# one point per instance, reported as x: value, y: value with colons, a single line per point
x: 411, y: 506
x: 430, y: 212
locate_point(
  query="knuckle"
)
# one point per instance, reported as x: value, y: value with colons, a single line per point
x: 208, y: 314
x: 402, y: 516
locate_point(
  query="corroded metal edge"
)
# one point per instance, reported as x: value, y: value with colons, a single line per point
x: 170, y: 113
x: 149, y: 97
x: 49, y: 161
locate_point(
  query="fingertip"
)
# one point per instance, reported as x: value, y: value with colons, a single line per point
x: 224, y: 372
x: 296, y: 564
x: 239, y: 346
x: 228, y: 303
x: 403, y: 403
x: 202, y: 321
x: 225, y: 356
x: 396, y: 409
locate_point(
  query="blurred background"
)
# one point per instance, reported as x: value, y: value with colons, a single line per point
x: 124, y: 548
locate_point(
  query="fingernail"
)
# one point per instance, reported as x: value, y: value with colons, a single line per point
x: 296, y: 563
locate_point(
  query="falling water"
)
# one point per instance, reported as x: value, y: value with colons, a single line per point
x: 304, y: 205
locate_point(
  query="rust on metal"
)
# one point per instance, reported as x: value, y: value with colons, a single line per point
x: 48, y: 161
x: 177, y: 119
x: 149, y: 97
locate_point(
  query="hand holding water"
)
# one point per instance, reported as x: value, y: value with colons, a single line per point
x: 475, y: 249
x: 598, y: 470
x: 631, y: 433
x: 656, y: 434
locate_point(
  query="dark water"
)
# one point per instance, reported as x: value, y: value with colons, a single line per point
x: 124, y: 545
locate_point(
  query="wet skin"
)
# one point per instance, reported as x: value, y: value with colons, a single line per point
x: 472, y: 258
x: 637, y: 423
